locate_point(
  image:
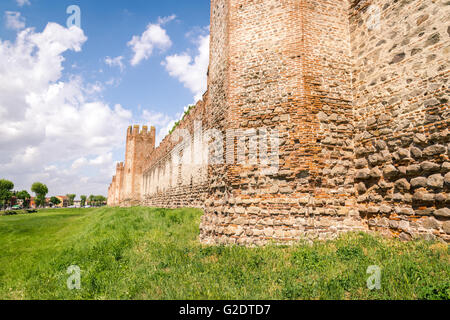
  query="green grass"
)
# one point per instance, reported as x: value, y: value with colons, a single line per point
x: 144, y: 253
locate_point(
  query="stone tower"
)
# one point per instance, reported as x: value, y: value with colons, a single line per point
x: 138, y: 145
x: 283, y: 65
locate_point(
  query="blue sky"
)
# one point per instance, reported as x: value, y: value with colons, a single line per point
x: 135, y: 62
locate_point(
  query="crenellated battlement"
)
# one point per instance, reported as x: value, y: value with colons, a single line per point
x: 145, y: 132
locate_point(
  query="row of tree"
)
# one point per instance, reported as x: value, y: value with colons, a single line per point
x: 41, y: 191
x: 96, y: 201
x: 92, y: 200
x: 7, y: 193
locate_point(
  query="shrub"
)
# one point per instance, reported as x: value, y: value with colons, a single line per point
x: 10, y: 213
x: 17, y: 212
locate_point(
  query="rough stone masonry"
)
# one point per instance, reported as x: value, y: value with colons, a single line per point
x: 356, y: 95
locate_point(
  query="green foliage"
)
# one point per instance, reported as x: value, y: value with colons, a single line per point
x: 40, y: 201
x: 436, y: 291
x: 71, y: 198
x: 55, y: 201
x: 10, y: 213
x: 39, y: 188
x: 25, y: 197
x: 97, y: 201
x: 83, y: 200
x: 186, y: 113
x: 6, y: 187
x: 41, y: 191
x: 16, y: 212
x: 144, y: 253
x: 176, y: 124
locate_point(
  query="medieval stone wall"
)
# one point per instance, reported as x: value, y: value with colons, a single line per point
x: 176, y: 174
x: 283, y: 78
x: 321, y: 117
x: 401, y: 92
x: 127, y: 184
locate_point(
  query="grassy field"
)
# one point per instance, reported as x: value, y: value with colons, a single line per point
x: 143, y: 253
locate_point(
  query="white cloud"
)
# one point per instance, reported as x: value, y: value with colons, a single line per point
x: 22, y: 3
x: 81, y: 162
x: 54, y: 131
x: 14, y: 20
x: 192, y: 72
x: 153, y: 37
x: 115, y: 62
x: 103, y: 159
x: 164, y: 20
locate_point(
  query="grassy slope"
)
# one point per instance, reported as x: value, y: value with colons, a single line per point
x: 146, y: 253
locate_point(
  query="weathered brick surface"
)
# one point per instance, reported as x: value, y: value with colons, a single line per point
x: 360, y: 105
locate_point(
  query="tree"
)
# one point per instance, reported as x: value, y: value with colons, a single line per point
x: 71, y: 198
x: 99, y: 200
x: 96, y: 200
x: 25, y: 197
x: 91, y: 199
x: 55, y: 201
x: 41, y: 191
x: 83, y: 200
x: 5, y: 191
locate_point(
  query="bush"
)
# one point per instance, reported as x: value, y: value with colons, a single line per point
x: 10, y: 213
x: 17, y: 212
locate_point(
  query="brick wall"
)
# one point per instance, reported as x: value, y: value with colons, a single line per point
x: 127, y: 184
x: 173, y: 178
x: 356, y: 93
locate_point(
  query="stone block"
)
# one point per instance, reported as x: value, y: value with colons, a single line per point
x: 442, y: 213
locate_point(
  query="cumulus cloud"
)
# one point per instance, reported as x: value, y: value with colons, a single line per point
x: 153, y: 37
x: 22, y: 3
x: 101, y: 160
x: 52, y: 130
x: 14, y: 20
x: 115, y: 62
x: 191, y: 71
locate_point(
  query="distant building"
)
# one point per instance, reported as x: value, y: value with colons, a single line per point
x: 33, y: 202
x: 64, y: 202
